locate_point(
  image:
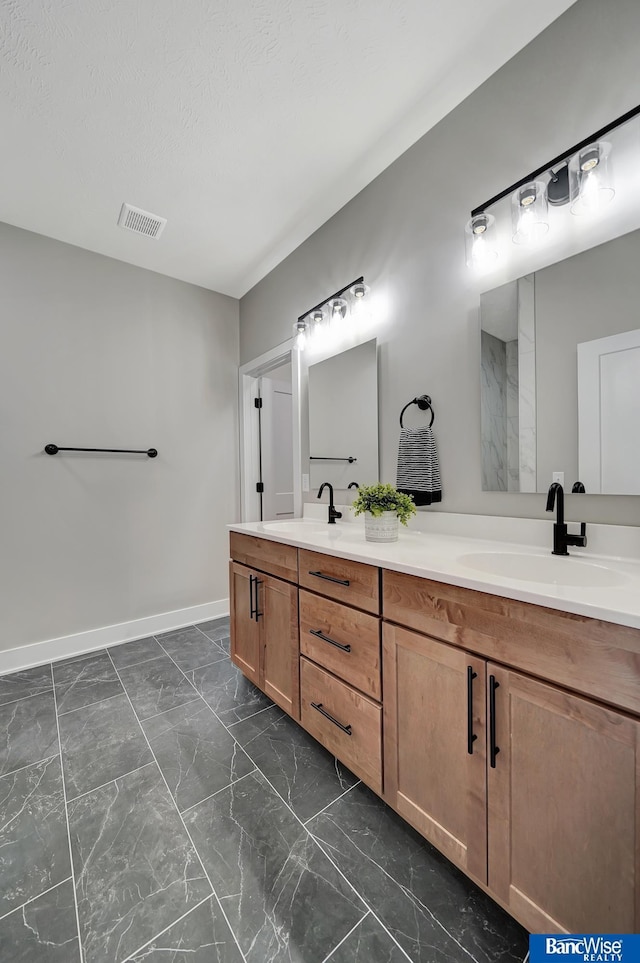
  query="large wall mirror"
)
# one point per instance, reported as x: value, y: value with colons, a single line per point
x: 343, y: 418
x: 560, y: 374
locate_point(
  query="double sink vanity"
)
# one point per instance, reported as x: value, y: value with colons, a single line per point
x: 488, y: 691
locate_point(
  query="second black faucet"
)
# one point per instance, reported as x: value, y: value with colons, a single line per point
x: 561, y: 538
x: 333, y: 514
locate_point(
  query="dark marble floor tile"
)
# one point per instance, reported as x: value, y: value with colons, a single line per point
x: 283, y: 898
x: 34, y: 848
x: 225, y: 644
x: 195, y: 752
x: 132, y: 653
x: 201, y: 937
x: 43, y: 931
x: 156, y: 686
x: 190, y: 649
x: 368, y: 943
x: 136, y: 870
x: 28, y: 732
x: 81, y: 682
x: 228, y: 692
x: 216, y: 629
x: 28, y: 682
x: 434, y: 912
x: 100, y: 743
x: 299, y: 768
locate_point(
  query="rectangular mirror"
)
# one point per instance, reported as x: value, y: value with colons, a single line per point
x: 560, y: 374
x: 343, y: 418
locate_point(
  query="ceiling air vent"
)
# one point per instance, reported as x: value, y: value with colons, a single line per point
x: 141, y: 222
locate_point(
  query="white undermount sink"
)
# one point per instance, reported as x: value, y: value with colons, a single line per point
x: 295, y: 526
x: 549, y: 569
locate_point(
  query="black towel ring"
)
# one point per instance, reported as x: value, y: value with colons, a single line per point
x: 423, y: 402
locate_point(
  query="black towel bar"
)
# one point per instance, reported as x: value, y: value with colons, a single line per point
x: 423, y: 402
x: 151, y: 452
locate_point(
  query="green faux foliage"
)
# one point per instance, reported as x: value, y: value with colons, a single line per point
x: 384, y: 498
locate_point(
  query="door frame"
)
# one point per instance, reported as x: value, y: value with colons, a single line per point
x: 248, y: 378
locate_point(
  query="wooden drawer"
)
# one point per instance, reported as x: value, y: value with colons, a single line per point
x: 598, y: 659
x: 338, y: 578
x: 351, y: 644
x: 272, y: 557
x: 354, y: 731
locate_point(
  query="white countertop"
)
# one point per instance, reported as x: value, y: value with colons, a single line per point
x: 441, y: 555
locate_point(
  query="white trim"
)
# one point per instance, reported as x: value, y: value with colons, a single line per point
x: 249, y: 448
x: 65, y: 646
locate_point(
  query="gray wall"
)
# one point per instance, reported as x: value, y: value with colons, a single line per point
x: 97, y: 353
x: 592, y: 295
x: 404, y: 232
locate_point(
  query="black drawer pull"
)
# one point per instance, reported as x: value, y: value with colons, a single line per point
x: 330, y: 578
x: 325, y: 638
x: 251, y: 605
x: 323, y: 712
x: 258, y: 615
x: 493, y: 749
x: 471, y: 736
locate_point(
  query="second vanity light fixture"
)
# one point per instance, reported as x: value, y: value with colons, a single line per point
x: 332, y: 311
x: 581, y: 177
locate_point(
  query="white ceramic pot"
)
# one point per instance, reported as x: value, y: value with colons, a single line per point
x: 381, y: 528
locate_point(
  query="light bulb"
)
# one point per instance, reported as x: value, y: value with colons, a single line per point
x: 360, y: 290
x: 338, y: 309
x: 529, y: 216
x: 300, y: 334
x: 590, y: 179
x: 480, y: 242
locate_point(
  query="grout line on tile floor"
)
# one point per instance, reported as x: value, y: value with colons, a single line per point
x: 108, y: 782
x: 33, y: 695
x: 89, y: 705
x: 36, y: 762
x: 215, y: 641
x: 252, y: 716
x: 346, y: 937
x: 66, y: 819
x: 182, y: 705
x: 166, y: 929
x: 184, y: 825
x: 34, y: 898
x: 341, y: 796
x: 133, y: 665
x: 234, y: 782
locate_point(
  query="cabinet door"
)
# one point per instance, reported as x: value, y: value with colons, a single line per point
x: 278, y: 619
x: 563, y: 827
x: 245, y: 630
x: 435, y: 771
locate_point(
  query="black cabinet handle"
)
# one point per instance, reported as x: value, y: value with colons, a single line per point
x: 330, y: 578
x: 257, y: 613
x: 493, y: 749
x: 471, y: 736
x: 251, y: 606
x: 323, y: 712
x: 325, y: 638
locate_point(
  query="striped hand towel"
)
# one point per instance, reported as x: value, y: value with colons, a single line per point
x: 418, y: 467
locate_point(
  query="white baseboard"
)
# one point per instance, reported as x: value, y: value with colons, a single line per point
x: 12, y: 660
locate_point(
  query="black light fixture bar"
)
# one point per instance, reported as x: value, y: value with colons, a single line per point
x: 561, y: 158
x: 337, y: 294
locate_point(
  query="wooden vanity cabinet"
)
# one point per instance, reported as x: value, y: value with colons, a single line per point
x: 264, y: 634
x: 543, y: 806
x: 563, y: 809
x: 435, y: 744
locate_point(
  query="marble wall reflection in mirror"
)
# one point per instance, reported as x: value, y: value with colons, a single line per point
x: 560, y: 374
x: 343, y: 418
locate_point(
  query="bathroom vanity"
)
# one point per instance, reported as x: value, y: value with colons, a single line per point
x: 505, y: 730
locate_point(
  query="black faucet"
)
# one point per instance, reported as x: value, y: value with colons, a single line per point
x: 353, y: 485
x: 333, y: 514
x: 561, y: 538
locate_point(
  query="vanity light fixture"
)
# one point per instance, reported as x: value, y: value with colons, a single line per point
x: 333, y: 310
x: 581, y: 176
x: 529, y: 215
x: 480, y: 241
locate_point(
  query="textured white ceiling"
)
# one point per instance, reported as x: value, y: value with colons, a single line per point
x: 246, y: 123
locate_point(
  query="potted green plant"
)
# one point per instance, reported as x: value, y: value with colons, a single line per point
x: 382, y: 506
